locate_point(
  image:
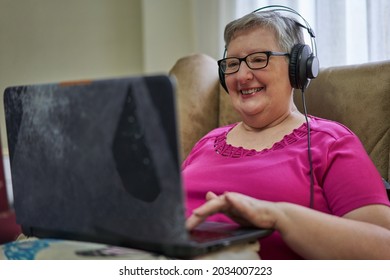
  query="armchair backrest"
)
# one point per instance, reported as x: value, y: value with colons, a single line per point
x: 357, y: 96
x: 197, y: 98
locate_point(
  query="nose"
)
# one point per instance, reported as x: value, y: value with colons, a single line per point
x: 244, y: 73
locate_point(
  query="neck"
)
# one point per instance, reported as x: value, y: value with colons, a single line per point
x: 292, y: 116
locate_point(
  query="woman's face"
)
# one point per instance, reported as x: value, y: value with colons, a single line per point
x: 264, y: 95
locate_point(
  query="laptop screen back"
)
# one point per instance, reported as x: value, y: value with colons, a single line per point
x: 97, y: 156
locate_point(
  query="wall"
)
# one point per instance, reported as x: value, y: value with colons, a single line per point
x: 175, y: 28
x: 55, y: 40
x: 167, y: 33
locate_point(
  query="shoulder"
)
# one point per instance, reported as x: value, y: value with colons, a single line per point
x: 329, y: 128
x: 333, y: 137
x: 216, y: 132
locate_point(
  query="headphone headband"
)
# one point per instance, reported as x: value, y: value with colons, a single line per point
x: 280, y: 8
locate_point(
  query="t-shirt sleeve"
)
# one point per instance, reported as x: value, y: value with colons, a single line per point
x: 351, y: 179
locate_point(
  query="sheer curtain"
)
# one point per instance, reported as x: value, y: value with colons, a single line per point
x: 347, y: 31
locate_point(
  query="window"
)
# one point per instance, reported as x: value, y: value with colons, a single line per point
x: 347, y: 31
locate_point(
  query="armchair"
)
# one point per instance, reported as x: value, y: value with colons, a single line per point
x: 357, y: 96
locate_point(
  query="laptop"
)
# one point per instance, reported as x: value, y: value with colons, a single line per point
x: 99, y: 161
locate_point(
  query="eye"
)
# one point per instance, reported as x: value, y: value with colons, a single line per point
x: 232, y: 63
x: 258, y: 58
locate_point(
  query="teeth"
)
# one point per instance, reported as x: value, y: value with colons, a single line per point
x: 251, y: 91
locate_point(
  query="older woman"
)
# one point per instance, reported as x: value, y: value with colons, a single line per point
x: 257, y: 171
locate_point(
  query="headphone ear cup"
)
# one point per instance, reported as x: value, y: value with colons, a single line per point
x: 297, y: 63
x: 313, y: 67
x: 303, y: 66
x: 222, y: 79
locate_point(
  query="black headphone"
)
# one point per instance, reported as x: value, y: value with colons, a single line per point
x: 304, y: 64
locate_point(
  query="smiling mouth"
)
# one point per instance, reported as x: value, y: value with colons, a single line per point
x: 251, y: 91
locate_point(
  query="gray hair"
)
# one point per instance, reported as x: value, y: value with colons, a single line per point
x: 288, y: 31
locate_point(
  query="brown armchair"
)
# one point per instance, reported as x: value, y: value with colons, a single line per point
x: 357, y: 96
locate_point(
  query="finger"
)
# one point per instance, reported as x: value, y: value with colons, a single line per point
x: 193, y: 221
x: 211, y: 207
x: 211, y: 195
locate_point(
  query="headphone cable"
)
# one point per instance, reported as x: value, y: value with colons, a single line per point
x: 309, y: 149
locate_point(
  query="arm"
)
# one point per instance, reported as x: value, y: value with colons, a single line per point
x: 312, y: 234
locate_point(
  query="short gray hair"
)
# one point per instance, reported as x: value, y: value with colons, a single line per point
x: 288, y: 31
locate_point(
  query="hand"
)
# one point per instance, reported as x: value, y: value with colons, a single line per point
x: 240, y: 208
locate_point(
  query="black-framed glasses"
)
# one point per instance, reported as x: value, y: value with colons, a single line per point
x: 255, y: 61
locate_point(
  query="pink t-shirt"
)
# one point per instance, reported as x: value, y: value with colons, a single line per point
x: 345, y: 177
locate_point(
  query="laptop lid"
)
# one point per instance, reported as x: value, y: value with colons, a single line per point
x: 98, y: 161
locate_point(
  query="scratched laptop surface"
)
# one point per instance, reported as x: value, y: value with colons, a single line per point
x: 98, y: 161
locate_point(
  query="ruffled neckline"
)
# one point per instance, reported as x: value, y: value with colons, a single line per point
x: 227, y: 150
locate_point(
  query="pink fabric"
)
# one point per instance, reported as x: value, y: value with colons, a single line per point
x: 345, y: 177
